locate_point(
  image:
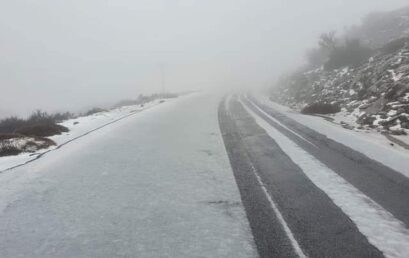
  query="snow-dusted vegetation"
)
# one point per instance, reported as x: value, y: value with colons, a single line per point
x: 15, y: 144
x: 24, y: 140
x: 372, y: 94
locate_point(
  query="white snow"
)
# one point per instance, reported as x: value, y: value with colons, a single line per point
x: 403, y: 138
x: 380, y: 227
x: 22, y: 143
x: 406, y: 97
x: 88, y: 123
x: 158, y: 184
x: 395, y: 77
x: 78, y: 127
x: 371, y: 144
x: 345, y: 70
x: 392, y: 112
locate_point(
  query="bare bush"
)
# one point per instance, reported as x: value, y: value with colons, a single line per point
x: 94, y: 110
x: 14, y: 144
x: 351, y: 53
x: 42, y: 130
x: 39, y: 123
x: 9, y: 125
x: 321, y: 108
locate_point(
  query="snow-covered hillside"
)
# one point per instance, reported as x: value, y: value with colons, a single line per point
x: 366, y: 77
x: 374, y: 95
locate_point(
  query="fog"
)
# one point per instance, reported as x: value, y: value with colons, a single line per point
x: 69, y: 55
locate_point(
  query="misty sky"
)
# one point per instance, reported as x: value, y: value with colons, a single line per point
x: 68, y: 55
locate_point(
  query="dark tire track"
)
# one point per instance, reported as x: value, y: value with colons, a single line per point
x: 269, y: 236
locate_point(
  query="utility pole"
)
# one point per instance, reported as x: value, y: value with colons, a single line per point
x: 163, y: 82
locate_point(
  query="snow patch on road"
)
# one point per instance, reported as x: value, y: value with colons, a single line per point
x: 383, y: 230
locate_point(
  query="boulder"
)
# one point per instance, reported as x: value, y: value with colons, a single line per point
x: 321, y: 108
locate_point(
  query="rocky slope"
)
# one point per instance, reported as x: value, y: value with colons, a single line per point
x: 373, y: 95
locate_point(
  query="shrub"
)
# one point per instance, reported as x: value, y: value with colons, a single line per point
x: 9, y: 125
x: 321, y: 108
x: 328, y: 40
x: 13, y: 144
x: 142, y: 99
x: 352, y: 53
x: 9, y: 150
x: 60, y: 117
x: 8, y: 136
x: 316, y: 57
x: 12, y: 124
x: 19, y: 135
x: 94, y: 111
x: 42, y: 130
x: 394, y: 45
x: 42, y: 117
x: 334, y: 54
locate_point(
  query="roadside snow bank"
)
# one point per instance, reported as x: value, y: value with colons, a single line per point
x: 78, y: 127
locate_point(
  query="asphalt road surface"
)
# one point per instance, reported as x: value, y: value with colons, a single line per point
x: 308, y: 196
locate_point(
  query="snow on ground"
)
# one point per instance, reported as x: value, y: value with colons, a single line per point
x: 380, y: 227
x: 372, y: 144
x: 78, y: 127
x: 403, y: 138
x: 156, y: 185
x: 82, y: 125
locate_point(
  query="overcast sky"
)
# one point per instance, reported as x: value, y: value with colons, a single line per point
x: 60, y: 54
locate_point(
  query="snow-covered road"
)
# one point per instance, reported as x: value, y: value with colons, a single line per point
x: 156, y: 184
